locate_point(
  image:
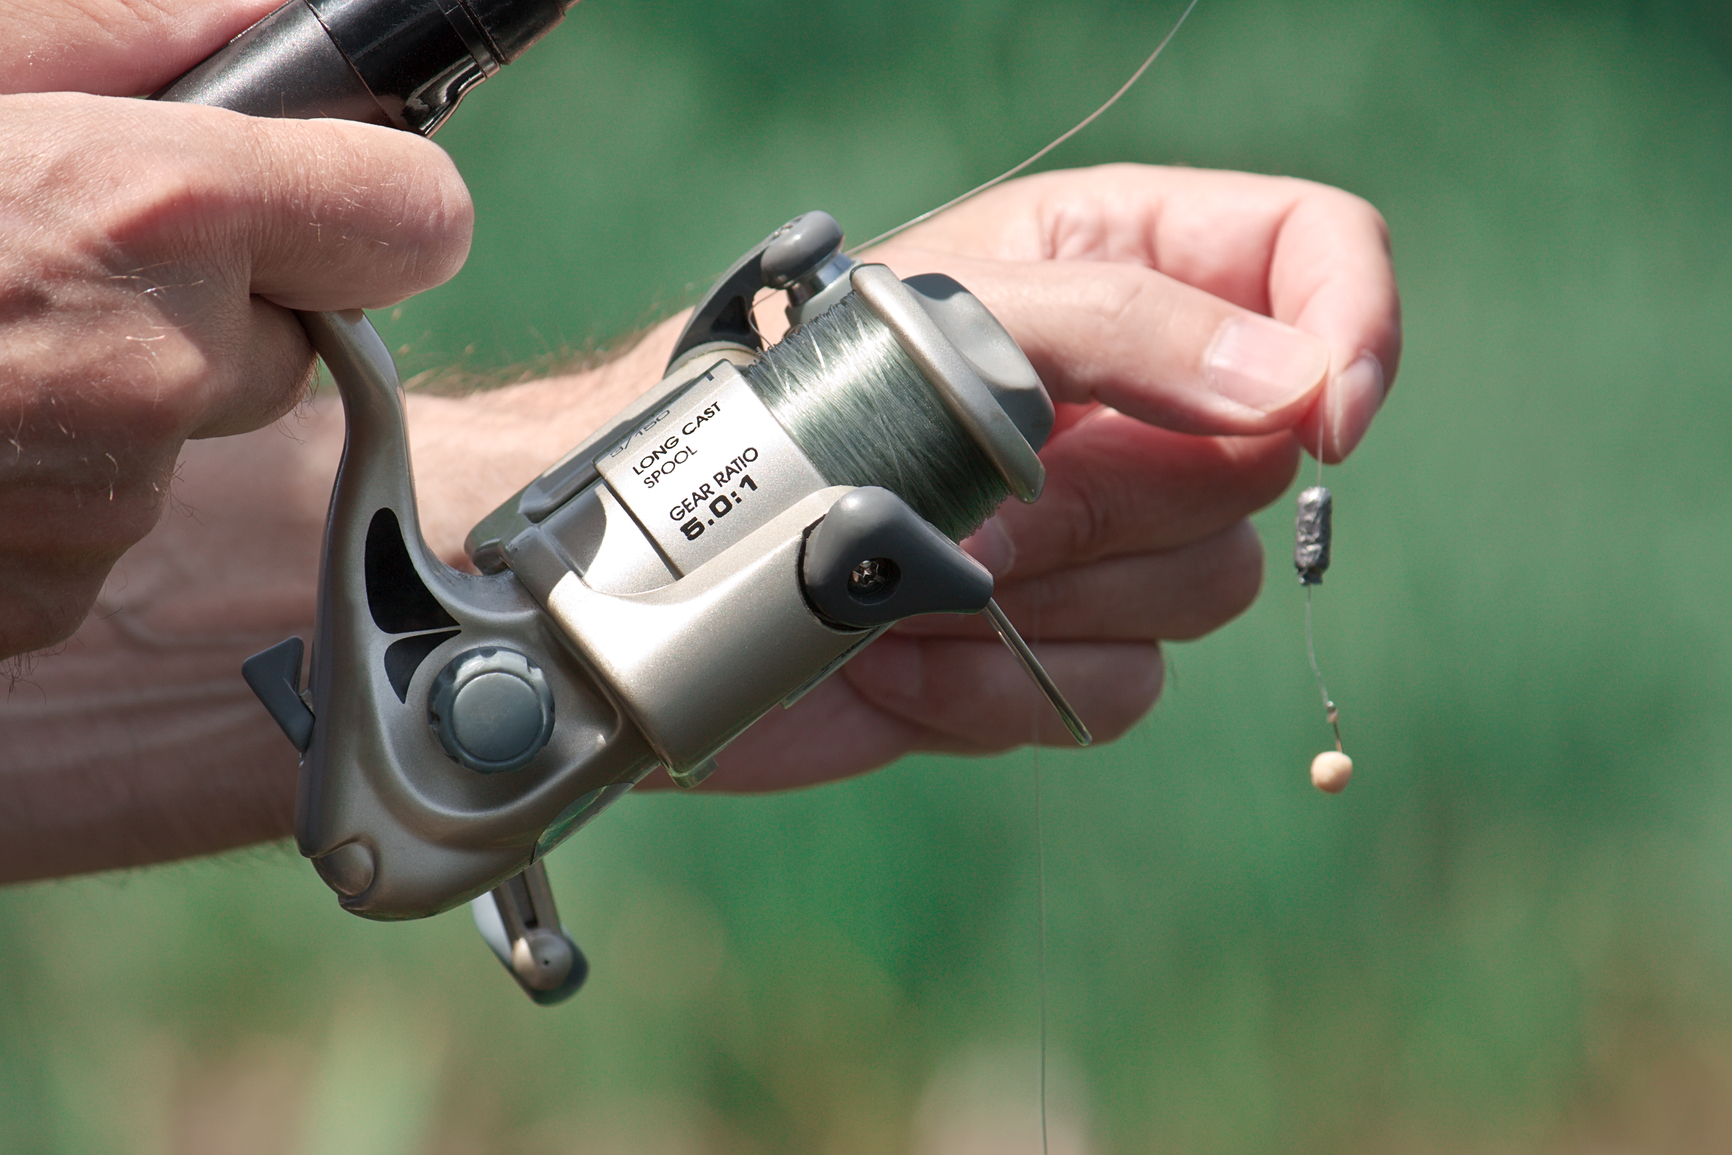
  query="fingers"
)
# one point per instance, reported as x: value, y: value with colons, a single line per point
x: 952, y: 696
x: 829, y: 733
x: 114, y: 47
x: 972, y: 696
x: 1176, y: 595
x: 1310, y: 256
x: 151, y: 256
x: 1164, y: 555
x: 377, y: 216
x: 317, y: 214
x: 264, y: 369
x: 334, y: 215
x: 181, y: 254
x: 1343, y: 291
x: 1146, y: 344
x: 1116, y: 487
x: 1192, y: 328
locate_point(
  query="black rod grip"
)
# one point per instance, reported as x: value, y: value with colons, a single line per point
x: 286, y: 65
x: 404, y: 63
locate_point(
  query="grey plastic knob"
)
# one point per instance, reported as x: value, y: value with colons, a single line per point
x: 543, y: 959
x: 492, y: 709
x: 799, y: 247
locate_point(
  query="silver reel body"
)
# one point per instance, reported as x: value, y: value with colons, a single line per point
x: 672, y: 579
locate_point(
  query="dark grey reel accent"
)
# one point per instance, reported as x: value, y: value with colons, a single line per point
x: 275, y: 676
x: 873, y: 561
x: 492, y: 709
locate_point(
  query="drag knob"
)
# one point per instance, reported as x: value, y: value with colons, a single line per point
x: 492, y: 709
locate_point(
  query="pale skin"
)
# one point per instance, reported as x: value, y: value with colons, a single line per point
x: 1144, y: 297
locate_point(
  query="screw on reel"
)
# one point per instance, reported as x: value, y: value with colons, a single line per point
x: 874, y: 578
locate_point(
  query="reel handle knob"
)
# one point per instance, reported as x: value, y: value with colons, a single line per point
x: 520, y: 924
x: 542, y: 959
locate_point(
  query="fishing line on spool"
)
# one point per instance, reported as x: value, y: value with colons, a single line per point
x: 864, y: 414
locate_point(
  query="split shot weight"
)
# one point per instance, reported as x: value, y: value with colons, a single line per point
x: 1312, y: 530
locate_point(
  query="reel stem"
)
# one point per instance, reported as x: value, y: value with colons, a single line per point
x: 1013, y: 641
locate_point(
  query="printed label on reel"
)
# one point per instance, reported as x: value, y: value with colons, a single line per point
x: 707, y: 470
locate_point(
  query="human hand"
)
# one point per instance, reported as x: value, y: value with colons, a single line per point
x: 150, y: 258
x: 1143, y: 297
x: 1139, y: 536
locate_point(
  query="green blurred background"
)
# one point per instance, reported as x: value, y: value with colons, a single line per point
x: 1514, y: 931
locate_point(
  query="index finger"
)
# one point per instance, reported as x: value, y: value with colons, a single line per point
x: 114, y: 47
x: 1311, y: 256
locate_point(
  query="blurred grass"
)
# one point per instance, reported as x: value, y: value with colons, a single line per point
x: 1511, y: 934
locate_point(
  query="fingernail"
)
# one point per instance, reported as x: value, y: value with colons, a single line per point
x: 1355, y: 397
x: 991, y: 546
x: 1263, y: 364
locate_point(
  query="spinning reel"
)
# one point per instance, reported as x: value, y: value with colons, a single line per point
x: 670, y: 581
x: 714, y: 552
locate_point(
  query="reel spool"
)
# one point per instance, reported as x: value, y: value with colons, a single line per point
x: 718, y: 550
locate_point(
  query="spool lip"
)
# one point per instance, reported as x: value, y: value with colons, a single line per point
x: 964, y: 395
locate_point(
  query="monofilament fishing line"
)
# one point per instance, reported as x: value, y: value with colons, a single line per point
x: 863, y: 413
x: 843, y: 377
